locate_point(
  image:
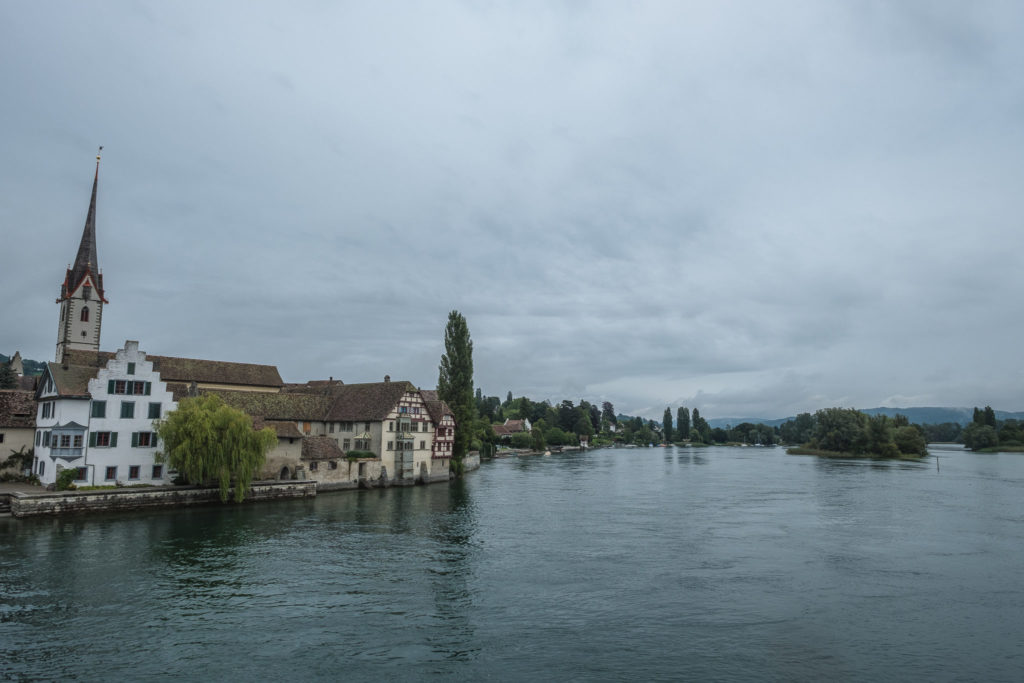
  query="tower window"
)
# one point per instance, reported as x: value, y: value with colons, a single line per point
x: 87, y: 292
x: 85, y: 314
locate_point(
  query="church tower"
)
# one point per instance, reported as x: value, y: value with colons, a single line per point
x: 81, y: 296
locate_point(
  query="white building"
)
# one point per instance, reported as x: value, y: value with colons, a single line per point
x: 100, y: 420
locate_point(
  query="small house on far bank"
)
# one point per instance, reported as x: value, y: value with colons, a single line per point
x: 505, y: 431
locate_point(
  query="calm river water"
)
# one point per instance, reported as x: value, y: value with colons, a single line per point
x: 647, y: 564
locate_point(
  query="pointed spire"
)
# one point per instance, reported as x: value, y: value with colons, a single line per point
x: 85, y: 261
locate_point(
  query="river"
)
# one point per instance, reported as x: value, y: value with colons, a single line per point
x: 643, y: 564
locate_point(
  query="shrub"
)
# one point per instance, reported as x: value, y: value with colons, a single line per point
x: 66, y: 479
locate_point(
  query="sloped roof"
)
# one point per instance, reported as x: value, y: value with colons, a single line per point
x: 320, y: 448
x: 71, y: 381
x: 27, y: 382
x: 354, y: 402
x: 284, y: 429
x: 275, y: 406
x: 175, y: 369
x: 438, y: 409
x: 17, y: 409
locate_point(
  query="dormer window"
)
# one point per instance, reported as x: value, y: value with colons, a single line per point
x: 87, y: 292
x: 85, y: 314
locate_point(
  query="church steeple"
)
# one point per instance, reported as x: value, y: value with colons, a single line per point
x: 81, y: 295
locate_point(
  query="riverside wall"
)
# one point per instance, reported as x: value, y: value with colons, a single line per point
x: 117, y: 500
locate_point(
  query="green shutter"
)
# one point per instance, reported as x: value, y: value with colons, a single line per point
x: 153, y: 440
x: 130, y: 388
x: 148, y: 387
x: 135, y: 439
x: 113, y: 439
x: 110, y: 387
x: 92, y: 438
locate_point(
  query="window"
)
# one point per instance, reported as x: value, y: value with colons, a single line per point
x: 391, y: 426
x: 391, y: 445
x: 143, y: 439
x: 158, y: 472
x: 39, y: 438
x: 85, y: 314
x: 305, y: 427
x: 42, y: 468
x: 82, y: 474
x: 133, y: 472
x: 46, y: 410
x: 313, y: 466
x: 415, y: 426
x: 87, y: 292
x: 111, y: 473
x: 102, y: 439
x: 46, y: 439
x: 330, y: 428
x: 99, y: 408
x: 333, y: 464
x: 78, y: 441
x: 65, y: 441
x: 154, y: 411
x: 138, y: 388
x: 346, y: 444
x: 127, y: 409
x: 423, y: 445
x: 403, y: 409
x: 131, y: 368
x: 117, y: 386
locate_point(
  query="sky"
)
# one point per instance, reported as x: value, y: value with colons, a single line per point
x: 751, y: 208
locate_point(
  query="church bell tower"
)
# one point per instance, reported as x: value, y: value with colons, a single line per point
x: 81, y: 296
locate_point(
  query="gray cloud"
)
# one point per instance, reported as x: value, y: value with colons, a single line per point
x: 753, y: 213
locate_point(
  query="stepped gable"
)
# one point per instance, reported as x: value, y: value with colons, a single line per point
x: 321, y: 448
x: 187, y: 370
x: 365, y: 402
x: 71, y: 381
x: 17, y: 409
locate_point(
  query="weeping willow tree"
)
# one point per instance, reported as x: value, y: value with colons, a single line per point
x: 209, y: 441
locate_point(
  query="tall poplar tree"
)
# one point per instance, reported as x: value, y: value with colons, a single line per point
x: 683, y: 422
x: 666, y: 424
x: 455, y: 384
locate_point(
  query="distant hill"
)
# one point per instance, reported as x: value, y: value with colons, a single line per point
x: 725, y: 422
x: 922, y: 416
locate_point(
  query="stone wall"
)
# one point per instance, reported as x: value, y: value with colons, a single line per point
x: 471, y: 462
x: 113, y: 500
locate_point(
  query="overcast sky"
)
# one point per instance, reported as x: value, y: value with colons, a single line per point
x: 752, y: 208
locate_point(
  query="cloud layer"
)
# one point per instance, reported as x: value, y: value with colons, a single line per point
x: 750, y: 209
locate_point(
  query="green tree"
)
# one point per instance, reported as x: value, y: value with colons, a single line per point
x: 683, y: 422
x: 666, y: 424
x: 537, y: 437
x: 978, y: 435
x: 455, y: 384
x: 8, y: 380
x: 840, y: 429
x: 910, y: 440
x: 608, y: 413
x: 209, y: 441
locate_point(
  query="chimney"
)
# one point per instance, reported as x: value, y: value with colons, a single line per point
x: 387, y: 378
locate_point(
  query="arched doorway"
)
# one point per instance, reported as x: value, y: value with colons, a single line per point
x: 285, y: 474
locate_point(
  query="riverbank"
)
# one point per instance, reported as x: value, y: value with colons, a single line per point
x: 802, y: 450
x: 27, y: 500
